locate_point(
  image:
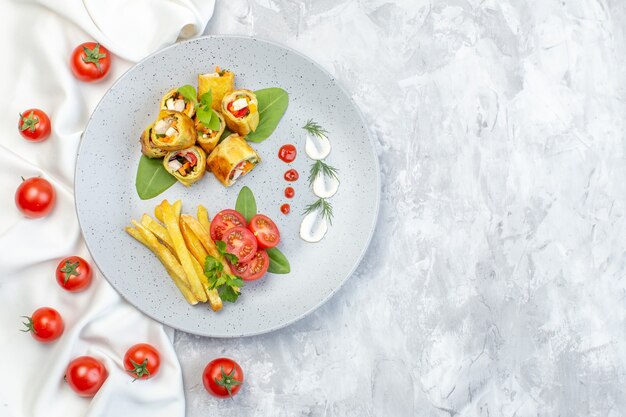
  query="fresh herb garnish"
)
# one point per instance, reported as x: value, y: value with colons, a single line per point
x: 152, y: 178
x: 314, y: 128
x: 227, y: 285
x: 325, y: 208
x: 273, y: 103
x: 221, y: 248
x: 246, y: 204
x: 321, y: 167
x: 93, y: 56
x: 189, y: 92
x: 206, y: 114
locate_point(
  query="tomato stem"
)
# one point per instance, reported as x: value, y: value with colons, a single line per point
x: 29, y: 325
x: 93, y: 56
x: 228, y: 381
x: 70, y: 269
x: 140, y: 369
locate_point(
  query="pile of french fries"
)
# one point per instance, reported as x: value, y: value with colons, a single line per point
x: 182, y: 243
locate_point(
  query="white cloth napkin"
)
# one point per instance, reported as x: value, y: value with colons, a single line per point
x: 36, y: 40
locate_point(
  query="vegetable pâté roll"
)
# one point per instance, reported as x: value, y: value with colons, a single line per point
x: 220, y: 83
x: 232, y: 159
x: 208, y: 138
x: 173, y: 131
x: 241, y: 111
x: 186, y: 165
x: 147, y: 147
x: 173, y: 100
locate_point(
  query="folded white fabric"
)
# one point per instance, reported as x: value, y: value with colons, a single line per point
x: 36, y: 41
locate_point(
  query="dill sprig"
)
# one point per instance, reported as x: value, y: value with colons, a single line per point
x: 314, y: 128
x: 321, y: 167
x: 325, y: 208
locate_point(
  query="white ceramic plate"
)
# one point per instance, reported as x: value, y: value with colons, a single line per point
x: 106, y: 198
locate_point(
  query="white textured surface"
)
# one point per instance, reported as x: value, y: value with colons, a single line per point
x: 495, y: 284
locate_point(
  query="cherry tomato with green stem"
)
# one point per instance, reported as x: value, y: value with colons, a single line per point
x: 45, y: 325
x: 142, y: 361
x: 222, y: 377
x: 74, y: 273
x: 34, y: 125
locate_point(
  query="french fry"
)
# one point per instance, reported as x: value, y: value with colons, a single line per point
x: 171, y: 220
x: 203, y: 217
x: 158, y: 229
x: 158, y: 213
x: 193, y: 243
x: 205, y: 239
x: 168, y: 260
x: 214, y: 298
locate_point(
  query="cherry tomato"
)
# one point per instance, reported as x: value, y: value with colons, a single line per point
x: 224, y: 220
x: 142, y: 361
x: 241, y: 243
x: 85, y: 375
x: 292, y: 175
x: 289, y: 192
x: 287, y: 153
x: 265, y: 231
x: 90, y: 61
x: 45, y: 325
x: 255, y: 268
x: 73, y: 273
x: 34, y: 125
x: 35, y: 197
x: 285, y: 208
x: 222, y: 377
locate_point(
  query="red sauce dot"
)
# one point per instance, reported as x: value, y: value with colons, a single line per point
x: 291, y: 175
x: 289, y: 192
x: 285, y: 208
x: 287, y: 153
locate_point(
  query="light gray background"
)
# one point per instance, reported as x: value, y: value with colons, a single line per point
x: 494, y: 285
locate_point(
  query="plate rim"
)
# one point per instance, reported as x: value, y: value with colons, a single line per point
x: 377, y: 186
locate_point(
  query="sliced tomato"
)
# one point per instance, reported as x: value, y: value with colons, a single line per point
x: 255, y: 268
x: 241, y: 243
x: 225, y: 220
x: 265, y: 231
x: 237, y: 113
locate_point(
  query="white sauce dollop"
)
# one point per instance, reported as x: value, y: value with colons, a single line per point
x: 317, y: 147
x: 325, y: 187
x: 313, y: 227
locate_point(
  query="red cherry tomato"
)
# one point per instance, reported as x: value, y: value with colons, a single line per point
x: 142, y: 361
x: 241, y: 243
x: 285, y: 208
x: 222, y: 377
x: 34, y: 125
x: 291, y: 175
x: 45, y: 325
x: 90, y: 61
x: 73, y: 273
x: 265, y: 231
x: 253, y: 269
x: 85, y: 375
x: 35, y: 197
x: 224, y: 220
x: 289, y: 192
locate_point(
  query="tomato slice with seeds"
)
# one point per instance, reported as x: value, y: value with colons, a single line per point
x: 265, y: 230
x: 255, y: 268
x: 225, y: 220
x: 241, y: 243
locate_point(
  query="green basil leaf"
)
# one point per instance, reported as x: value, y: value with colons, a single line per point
x: 214, y: 124
x: 204, y: 115
x: 273, y: 104
x: 189, y: 92
x: 278, y: 262
x: 206, y: 99
x: 152, y: 178
x: 246, y: 204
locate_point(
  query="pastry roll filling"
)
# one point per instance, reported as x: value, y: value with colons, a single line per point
x: 204, y: 132
x: 166, y: 128
x: 175, y: 101
x: 242, y: 168
x: 182, y: 162
x: 240, y: 107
